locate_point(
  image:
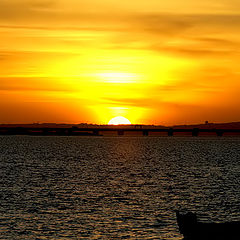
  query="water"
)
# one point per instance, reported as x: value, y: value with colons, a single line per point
x: 114, y: 187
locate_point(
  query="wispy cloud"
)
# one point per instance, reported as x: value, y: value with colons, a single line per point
x: 32, y: 84
x: 194, y: 51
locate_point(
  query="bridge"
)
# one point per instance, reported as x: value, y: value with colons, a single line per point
x: 120, y: 131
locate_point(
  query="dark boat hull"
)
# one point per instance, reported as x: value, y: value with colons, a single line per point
x: 192, y: 229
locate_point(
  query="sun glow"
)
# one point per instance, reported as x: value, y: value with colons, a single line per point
x: 119, y: 121
x: 117, y: 77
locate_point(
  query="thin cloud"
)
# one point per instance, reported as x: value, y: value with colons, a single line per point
x: 187, y: 85
x: 147, y: 103
x: 193, y: 51
x: 31, y: 84
x: 137, y: 102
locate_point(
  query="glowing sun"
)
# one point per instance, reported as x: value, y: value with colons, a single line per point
x: 119, y: 120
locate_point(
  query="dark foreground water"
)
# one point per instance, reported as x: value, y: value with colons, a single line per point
x: 114, y: 187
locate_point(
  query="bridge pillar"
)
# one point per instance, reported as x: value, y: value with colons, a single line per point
x: 195, y: 132
x: 95, y: 132
x: 70, y: 132
x: 60, y: 131
x: 45, y: 131
x: 120, y: 132
x: 219, y: 133
x: 145, y: 132
x: 170, y: 132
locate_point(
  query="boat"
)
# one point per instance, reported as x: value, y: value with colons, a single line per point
x: 192, y: 229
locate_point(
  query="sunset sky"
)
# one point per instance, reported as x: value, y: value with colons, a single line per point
x: 151, y: 61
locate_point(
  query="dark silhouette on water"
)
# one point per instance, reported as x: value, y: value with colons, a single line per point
x: 192, y: 229
x: 120, y: 130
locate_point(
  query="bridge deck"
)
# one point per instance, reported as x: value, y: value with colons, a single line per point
x: 119, y: 130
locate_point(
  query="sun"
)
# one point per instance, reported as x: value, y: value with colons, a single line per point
x: 119, y: 121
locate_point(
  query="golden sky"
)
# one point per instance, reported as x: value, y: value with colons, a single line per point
x: 151, y: 61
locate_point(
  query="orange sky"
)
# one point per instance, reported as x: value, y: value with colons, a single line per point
x: 153, y: 62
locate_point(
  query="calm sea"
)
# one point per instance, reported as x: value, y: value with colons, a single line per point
x: 114, y: 187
